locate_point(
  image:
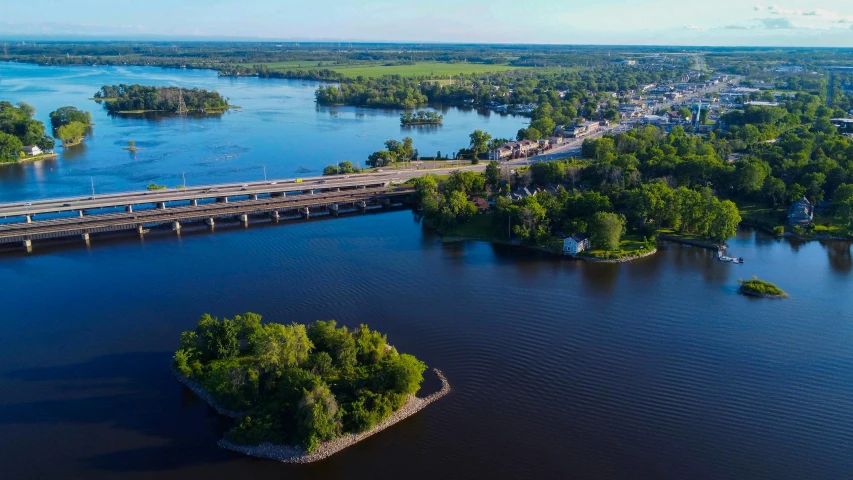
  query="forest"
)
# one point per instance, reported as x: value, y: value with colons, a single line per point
x: 140, y: 98
x: 297, y: 384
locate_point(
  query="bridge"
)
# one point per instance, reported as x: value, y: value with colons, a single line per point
x: 142, y: 210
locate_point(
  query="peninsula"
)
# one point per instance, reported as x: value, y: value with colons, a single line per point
x: 128, y: 99
x: 299, y: 393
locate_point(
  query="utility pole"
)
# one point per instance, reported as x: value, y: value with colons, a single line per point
x: 93, y: 187
x: 184, y: 174
x: 265, y: 173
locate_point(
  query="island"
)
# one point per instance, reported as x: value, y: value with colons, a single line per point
x: 423, y: 117
x: 70, y: 125
x: 129, y: 99
x: 22, y: 137
x: 760, y: 288
x: 299, y: 393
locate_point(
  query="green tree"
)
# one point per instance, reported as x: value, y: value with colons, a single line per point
x: 218, y: 339
x: 725, y: 219
x: 279, y: 347
x: 479, y: 142
x: 318, y: 416
x: 606, y: 230
x: 403, y: 374
x: 337, y: 342
x: 71, y: 132
x: 10, y: 146
x: 370, y: 345
x: 381, y: 158
x: 65, y: 115
x: 493, y: 174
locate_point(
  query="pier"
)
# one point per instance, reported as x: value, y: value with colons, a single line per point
x: 140, y: 211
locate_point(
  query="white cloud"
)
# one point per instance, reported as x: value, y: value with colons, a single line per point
x: 698, y: 28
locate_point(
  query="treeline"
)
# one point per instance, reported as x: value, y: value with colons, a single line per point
x: 298, y: 384
x: 263, y: 71
x: 126, y: 98
x: 19, y: 129
x: 391, y: 91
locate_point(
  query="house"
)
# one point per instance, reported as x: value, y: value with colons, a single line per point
x: 481, y: 203
x: 555, y: 140
x: 500, y: 153
x: 575, y: 244
x: 32, y: 150
x: 522, y: 193
x: 801, y: 212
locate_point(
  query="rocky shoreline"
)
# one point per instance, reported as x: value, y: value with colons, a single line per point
x: 295, y: 454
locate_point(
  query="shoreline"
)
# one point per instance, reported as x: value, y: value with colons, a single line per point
x: 749, y: 293
x: 693, y: 243
x: 451, y: 239
x: 44, y: 156
x: 296, y: 454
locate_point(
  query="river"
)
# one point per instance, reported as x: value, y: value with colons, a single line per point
x: 560, y: 369
x: 278, y: 126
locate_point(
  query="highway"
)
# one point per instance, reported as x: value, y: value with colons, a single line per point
x: 275, y: 187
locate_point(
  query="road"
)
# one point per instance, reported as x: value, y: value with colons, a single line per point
x: 145, y: 197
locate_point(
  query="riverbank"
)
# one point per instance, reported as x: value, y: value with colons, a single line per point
x: 296, y: 454
x: 293, y: 454
x: 692, y: 242
x: 629, y: 258
x: 43, y: 156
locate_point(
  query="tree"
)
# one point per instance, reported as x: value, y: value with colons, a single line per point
x: 217, y: 340
x: 280, y: 347
x: 774, y: 189
x: 606, y: 230
x: 403, y: 374
x: 479, y: 142
x: 370, y: 345
x: 10, y: 146
x: 493, y: 174
x: 725, y: 219
x: 544, y: 125
x: 381, y: 158
x: 71, y: 132
x: 65, y: 115
x: 318, y: 416
x: 337, y: 342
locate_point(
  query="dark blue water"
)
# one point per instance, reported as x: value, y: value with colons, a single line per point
x: 278, y: 126
x: 560, y: 369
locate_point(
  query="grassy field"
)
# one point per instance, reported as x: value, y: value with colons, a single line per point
x: 480, y: 227
x: 759, y: 213
x: 630, y: 246
x: 419, y: 69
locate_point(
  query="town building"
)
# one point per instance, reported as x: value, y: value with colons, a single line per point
x: 801, y: 212
x: 575, y: 244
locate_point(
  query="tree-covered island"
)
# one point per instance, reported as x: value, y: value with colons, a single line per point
x: 19, y: 131
x: 122, y: 99
x: 760, y: 288
x: 421, y: 117
x: 70, y: 125
x: 300, y: 387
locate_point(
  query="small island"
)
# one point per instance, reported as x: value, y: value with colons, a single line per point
x: 299, y: 393
x: 760, y: 288
x: 422, y: 117
x: 70, y: 125
x: 131, y: 99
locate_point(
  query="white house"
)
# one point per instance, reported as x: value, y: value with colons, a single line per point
x: 575, y: 244
x: 32, y: 150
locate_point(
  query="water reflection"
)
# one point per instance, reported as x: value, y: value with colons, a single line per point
x: 75, y: 152
x: 840, y: 259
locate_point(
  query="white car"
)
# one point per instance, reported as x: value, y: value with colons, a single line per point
x: 380, y: 170
x: 273, y: 183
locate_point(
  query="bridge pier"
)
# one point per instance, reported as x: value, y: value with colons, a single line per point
x: 305, y: 212
x: 337, y: 189
x: 276, y: 194
x: 253, y: 196
x: 28, y: 244
x: 386, y: 202
x: 176, y: 226
x: 85, y: 237
x: 221, y: 199
x: 194, y: 202
x: 80, y: 213
x: 244, y: 218
x: 29, y: 219
x: 161, y: 205
x: 308, y: 192
x: 210, y: 222
x: 128, y: 208
x: 335, y: 209
x: 362, y: 206
x: 274, y: 215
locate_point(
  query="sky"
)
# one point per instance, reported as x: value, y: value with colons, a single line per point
x: 826, y: 23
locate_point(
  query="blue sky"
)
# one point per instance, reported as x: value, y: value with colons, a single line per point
x: 680, y: 22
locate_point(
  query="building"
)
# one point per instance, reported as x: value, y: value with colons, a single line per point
x: 555, y: 140
x: 32, y: 150
x: 500, y: 153
x: 801, y: 212
x: 481, y: 203
x: 575, y: 244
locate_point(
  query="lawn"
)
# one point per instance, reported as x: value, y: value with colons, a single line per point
x: 760, y: 214
x: 419, y: 69
x: 630, y: 245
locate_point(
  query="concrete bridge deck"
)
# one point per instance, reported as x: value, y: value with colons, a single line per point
x: 25, y: 232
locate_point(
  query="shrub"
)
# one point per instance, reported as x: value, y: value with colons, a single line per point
x: 779, y: 230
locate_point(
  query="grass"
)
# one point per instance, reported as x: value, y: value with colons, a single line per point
x: 418, y: 69
x: 756, y: 287
x: 630, y: 246
x: 760, y: 214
